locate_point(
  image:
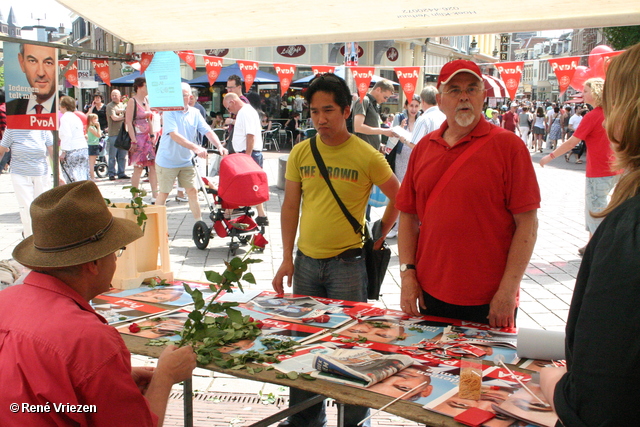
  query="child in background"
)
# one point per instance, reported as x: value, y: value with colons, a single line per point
x: 93, y: 141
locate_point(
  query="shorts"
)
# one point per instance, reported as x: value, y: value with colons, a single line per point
x: 94, y: 150
x: 167, y: 177
x: 596, y: 198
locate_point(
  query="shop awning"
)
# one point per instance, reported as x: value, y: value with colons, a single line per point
x: 154, y: 25
x: 226, y: 72
x: 495, y: 87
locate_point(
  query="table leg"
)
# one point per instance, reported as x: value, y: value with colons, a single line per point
x: 187, y: 387
x: 340, y: 419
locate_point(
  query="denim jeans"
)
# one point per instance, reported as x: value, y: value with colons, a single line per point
x: 344, y: 279
x: 115, y: 154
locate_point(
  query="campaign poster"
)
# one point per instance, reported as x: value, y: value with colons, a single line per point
x: 163, y: 82
x: 31, y: 82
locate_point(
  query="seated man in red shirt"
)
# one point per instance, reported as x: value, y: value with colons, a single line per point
x: 463, y: 250
x: 60, y: 363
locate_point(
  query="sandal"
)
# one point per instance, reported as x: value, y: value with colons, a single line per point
x: 566, y: 158
x: 579, y: 162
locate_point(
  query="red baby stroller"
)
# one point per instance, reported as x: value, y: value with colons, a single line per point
x: 242, y: 184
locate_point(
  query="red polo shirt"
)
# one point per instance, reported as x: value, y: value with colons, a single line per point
x: 600, y: 156
x: 465, y: 237
x: 55, y: 349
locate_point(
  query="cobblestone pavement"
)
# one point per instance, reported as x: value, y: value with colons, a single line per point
x: 544, y: 302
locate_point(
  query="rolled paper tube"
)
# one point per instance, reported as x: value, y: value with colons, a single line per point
x: 540, y: 344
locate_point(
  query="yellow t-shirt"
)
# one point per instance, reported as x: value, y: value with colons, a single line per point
x: 353, y: 166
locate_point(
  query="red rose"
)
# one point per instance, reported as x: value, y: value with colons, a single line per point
x: 259, y: 324
x: 251, y: 319
x: 259, y: 241
x: 322, y: 319
x: 134, y: 328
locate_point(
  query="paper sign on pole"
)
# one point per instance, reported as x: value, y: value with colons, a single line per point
x: 408, y: 77
x: 511, y: 73
x: 564, y: 68
x: 30, y: 90
x: 163, y: 82
x: 249, y: 70
x: 362, y: 76
x: 145, y: 60
x: 188, y: 57
x: 322, y: 69
x: 102, y: 68
x: 213, y: 64
x: 285, y: 72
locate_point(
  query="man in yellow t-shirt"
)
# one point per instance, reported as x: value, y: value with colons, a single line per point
x: 329, y: 261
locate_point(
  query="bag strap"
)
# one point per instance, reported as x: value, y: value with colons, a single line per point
x: 456, y: 165
x: 357, y: 227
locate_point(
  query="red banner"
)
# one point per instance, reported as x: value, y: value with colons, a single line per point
x: 188, y: 57
x: 145, y: 60
x: 72, y: 73
x: 285, y: 72
x: 564, y: 68
x: 408, y: 77
x: 511, y: 73
x: 32, y: 121
x: 249, y: 70
x: 362, y: 76
x: 102, y: 69
x: 322, y: 69
x: 213, y: 65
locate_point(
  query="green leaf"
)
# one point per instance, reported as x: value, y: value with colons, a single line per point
x: 195, y: 315
x: 234, y: 315
x: 249, y: 278
x: 235, y: 368
x: 187, y: 288
x: 293, y: 375
x: 281, y: 376
x: 213, y: 277
x: 237, y: 263
x: 308, y: 377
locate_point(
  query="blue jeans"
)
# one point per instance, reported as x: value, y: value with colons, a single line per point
x: 115, y: 154
x: 336, y: 278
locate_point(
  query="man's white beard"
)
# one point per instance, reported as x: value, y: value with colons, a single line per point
x: 464, y: 119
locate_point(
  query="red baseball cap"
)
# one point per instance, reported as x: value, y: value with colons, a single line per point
x: 452, y: 68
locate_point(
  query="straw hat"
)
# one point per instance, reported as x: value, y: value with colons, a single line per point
x: 71, y: 226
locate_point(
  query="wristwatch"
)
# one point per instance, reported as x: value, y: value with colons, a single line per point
x: 405, y: 267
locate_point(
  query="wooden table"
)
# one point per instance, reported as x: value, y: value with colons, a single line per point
x: 341, y: 393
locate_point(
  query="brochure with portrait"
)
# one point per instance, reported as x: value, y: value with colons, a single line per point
x: 118, y: 310
x: 171, y: 294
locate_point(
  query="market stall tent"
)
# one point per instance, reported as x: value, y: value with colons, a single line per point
x: 156, y: 25
x: 226, y: 72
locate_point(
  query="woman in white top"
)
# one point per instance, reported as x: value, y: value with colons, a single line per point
x: 74, y: 152
x: 539, y: 129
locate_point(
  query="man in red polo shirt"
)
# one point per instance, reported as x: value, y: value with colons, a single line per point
x: 464, y: 256
x: 510, y: 118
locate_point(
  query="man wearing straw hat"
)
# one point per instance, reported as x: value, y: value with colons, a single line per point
x: 61, y: 364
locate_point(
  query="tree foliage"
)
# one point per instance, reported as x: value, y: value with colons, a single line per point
x: 622, y: 37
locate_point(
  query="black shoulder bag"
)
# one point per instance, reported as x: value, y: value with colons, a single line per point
x: 377, y: 260
x: 123, y: 140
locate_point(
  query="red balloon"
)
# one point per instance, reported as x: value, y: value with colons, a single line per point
x: 579, y: 77
x: 596, y: 53
x: 599, y: 69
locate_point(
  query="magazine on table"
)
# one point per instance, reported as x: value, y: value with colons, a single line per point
x: 361, y: 364
x: 522, y: 406
x: 119, y: 310
x: 296, y: 308
x: 171, y: 294
x: 486, y: 337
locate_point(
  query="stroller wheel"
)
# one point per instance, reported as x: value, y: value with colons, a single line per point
x: 101, y: 170
x: 201, y: 234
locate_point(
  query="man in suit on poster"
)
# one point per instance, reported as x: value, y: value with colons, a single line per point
x: 38, y: 63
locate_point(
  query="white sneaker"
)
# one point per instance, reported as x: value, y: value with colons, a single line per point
x: 152, y: 201
x: 181, y: 199
x: 392, y: 234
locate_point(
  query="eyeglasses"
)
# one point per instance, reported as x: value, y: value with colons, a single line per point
x: 120, y: 251
x: 231, y: 87
x: 456, y: 92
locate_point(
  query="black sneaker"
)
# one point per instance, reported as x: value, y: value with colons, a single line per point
x: 262, y: 220
x: 124, y: 177
x: 112, y: 178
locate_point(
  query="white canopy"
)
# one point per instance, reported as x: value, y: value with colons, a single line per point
x: 154, y: 25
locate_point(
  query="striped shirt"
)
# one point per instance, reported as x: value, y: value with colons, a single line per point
x: 428, y: 121
x: 28, y: 150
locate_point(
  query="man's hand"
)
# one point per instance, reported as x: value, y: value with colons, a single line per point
x: 411, y: 299
x: 177, y: 364
x: 142, y: 377
x: 502, y: 311
x: 201, y: 152
x: 386, y: 132
x: 286, y: 269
